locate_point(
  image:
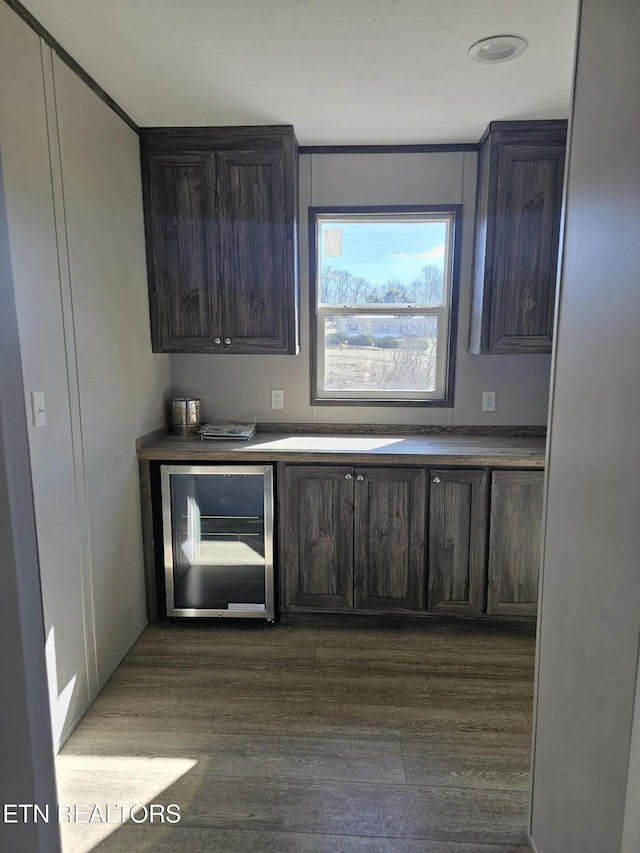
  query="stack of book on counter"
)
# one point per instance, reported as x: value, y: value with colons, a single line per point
x: 237, y: 430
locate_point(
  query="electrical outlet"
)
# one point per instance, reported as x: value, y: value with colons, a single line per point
x: 277, y: 399
x: 488, y: 401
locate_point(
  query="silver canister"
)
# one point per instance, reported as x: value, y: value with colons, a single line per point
x: 185, y: 416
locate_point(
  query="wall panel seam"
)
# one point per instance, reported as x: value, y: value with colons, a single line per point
x: 75, y: 417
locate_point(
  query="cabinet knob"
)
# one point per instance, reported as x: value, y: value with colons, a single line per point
x: 227, y: 340
x: 359, y: 478
x: 217, y: 340
x: 348, y: 476
x: 436, y: 480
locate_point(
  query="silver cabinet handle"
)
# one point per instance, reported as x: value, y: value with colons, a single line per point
x: 436, y: 480
x: 347, y: 476
x: 359, y: 478
x: 227, y: 340
x: 217, y: 340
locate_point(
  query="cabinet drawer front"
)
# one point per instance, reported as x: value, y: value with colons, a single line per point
x: 317, y: 533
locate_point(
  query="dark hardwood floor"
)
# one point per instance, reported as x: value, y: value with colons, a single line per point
x: 304, y: 739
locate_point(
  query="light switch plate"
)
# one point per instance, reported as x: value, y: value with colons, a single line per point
x: 38, y: 413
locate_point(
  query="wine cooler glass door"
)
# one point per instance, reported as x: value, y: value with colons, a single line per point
x: 218, y: 525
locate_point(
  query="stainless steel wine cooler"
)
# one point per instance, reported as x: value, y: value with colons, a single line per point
x: 218, y: 540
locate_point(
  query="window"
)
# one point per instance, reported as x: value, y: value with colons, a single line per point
x: 384, y: 304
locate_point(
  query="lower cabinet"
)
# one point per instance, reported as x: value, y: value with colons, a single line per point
x: 457, y: 541
x: 389, y: 538
x: 316, y: 540
x: 515, y: 532
x: 353, y: 538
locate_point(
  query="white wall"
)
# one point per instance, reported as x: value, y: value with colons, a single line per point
x: 122, y: 385
x: 74, y: 209
x: 32, y: 236
x: 26, y: 749
x: 237, y: 384
x: 590, y: 602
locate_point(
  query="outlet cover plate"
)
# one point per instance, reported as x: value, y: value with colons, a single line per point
x: 488, y: 401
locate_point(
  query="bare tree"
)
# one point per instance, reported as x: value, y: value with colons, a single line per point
x: 410, y: 367
x: 342, y: 285
x: 428, y: 289
x: 326, y: 282
x: 358, y: 288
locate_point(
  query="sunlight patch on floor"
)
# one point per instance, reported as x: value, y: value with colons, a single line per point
x: 115, y: 784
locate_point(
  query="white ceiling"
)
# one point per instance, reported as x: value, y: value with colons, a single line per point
x: 343, y: 72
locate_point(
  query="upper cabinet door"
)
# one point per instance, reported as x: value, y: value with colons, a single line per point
x: 221, y: 212
x: 182, y: 252
x: 519, y: 200
x: 253, y: 249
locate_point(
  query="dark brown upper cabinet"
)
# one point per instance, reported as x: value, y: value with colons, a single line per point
x: 518, y: 206
x: 221, y: 229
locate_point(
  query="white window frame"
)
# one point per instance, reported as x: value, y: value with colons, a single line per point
x: 445, y: 314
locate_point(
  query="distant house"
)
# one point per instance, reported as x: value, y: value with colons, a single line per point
x: 382, y: 327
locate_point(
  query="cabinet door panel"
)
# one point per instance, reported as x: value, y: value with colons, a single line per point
x: 457, y: 541
x: 518, y: 208
x: 221, y: 208
x: 253, y: 241
x: 514, y: 542
x: 526, y: 245
x: 389, y: 561
x: 317, y: 535
x: 185, y: 309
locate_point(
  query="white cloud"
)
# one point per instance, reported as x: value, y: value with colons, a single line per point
x: 435, y: 252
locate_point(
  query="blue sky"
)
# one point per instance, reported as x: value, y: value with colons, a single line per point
x: 382, y: 251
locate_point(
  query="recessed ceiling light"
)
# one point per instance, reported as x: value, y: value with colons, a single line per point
x: 498, y: 48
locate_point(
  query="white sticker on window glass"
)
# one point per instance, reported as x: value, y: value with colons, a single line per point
x: 332, y: 242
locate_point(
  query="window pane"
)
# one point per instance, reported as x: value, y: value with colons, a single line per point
x: 380, y: 352
x: 382, y: 262
x: 383, y: 286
